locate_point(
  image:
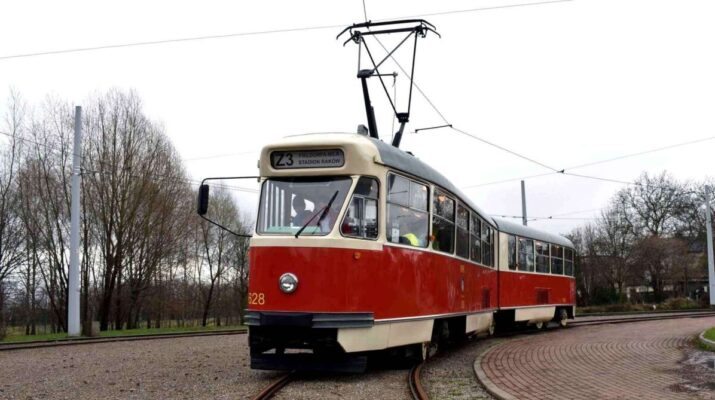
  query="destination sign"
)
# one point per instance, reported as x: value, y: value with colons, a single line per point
x: 330, y: 158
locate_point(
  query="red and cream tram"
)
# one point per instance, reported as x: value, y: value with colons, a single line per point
x: 360, y: 246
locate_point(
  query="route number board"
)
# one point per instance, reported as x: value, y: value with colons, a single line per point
x: 330, y: 158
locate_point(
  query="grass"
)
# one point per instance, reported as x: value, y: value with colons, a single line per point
x: 710, y: 334
x: 22, y: 338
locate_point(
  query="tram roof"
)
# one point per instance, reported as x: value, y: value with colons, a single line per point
x: 401, y: 160
x: 531, y: 233
x: 398, y: 159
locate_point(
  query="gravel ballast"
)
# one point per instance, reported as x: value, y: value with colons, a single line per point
x: 214, y: 367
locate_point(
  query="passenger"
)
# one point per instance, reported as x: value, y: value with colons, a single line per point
x: 412, y: 236
x: 301, y: 214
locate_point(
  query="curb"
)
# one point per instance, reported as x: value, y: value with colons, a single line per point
x: 493, y: 389
x: 707, y: 342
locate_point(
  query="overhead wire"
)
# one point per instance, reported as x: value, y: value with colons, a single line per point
x: 470, y: 10
x: 422, y: 93
x: 449, y: 125
x: 144, y: 175
x: 254, y: 33
x: 166, y: 41
x: 502, y: 148
x: 219, y: 156
x: 598, y: 162
x: 640, y: 153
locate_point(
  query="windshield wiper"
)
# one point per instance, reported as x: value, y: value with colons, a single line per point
x: 322, y: 213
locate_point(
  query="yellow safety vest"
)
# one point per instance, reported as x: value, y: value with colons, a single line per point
x: 412, y: 238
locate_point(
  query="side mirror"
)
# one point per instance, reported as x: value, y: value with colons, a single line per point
x: 203, y: 205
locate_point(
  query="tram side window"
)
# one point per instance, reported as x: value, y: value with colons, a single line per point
x: 568, y: 262
x: 487, y: 249
x: 512, y: 252
x: 407, y: 216
x: 462, y: 231
x: 476, y: 241
x: 526, y: 255
x: 557, y: 260
x: 443, y: 222
x: 361, y: 218
x: 542, y: 257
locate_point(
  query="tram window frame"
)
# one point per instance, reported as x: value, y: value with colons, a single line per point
x: 543, y: 260
x: 443, y: 218
x: 487, y: 244
x: 406, y: 208
x: 526, y: 255
x: 365, y: 198
x: 511, y: 253
x: 275, y: 206
x: 475, y: 238
x: 557, y: 263
x: 462, y: 238
x: 569, y: 262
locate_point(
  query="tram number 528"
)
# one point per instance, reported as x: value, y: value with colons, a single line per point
x: 256, y: 299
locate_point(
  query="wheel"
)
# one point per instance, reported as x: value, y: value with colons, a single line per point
x: 492, y: 328
x: 539, y: 325
x: 563, y: 317
x: 418, y: 353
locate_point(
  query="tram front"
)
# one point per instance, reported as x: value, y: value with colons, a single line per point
x: 314, y: 246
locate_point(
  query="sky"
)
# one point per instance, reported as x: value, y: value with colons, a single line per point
x: 565, y: 84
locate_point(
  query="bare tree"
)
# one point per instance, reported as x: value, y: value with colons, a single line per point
x: 653, y: 205
x: 615, y: 240
x: 657, y: 260
x: 218, y: 244
x: 144, y: 253
x: 11, y: 235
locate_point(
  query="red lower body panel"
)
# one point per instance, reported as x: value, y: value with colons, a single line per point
x: 524, y: 290
x: 396, y: 282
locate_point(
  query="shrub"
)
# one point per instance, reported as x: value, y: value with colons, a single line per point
x: 679, y: 303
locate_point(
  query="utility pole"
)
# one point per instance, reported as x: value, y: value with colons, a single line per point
x: 73, y: 326
x: 711, y: 263
x: 523, y: 203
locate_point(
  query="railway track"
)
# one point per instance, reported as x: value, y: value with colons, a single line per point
x: 275, y: 386
x: 417, y: 391
x: 415, y: 383
x: 621, y: 320
x: 127, y: 338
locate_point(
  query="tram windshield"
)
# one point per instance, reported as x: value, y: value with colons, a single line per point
x: 289, y: 204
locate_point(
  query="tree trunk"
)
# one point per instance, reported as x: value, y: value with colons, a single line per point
x: 2, y: 311
x: 207, y: 304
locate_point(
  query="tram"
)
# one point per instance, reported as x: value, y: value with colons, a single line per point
x: 360, y: 247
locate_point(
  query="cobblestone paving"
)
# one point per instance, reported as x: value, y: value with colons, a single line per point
x: 628, y: 361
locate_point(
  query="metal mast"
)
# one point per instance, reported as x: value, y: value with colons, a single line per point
x: 73, y: 326
x: 711, y: 263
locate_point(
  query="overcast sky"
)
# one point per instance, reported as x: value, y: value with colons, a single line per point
x: 564, y: 83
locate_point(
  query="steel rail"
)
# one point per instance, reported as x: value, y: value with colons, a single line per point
x: 648, y: 312
x: 127, y: 338
x: 641, y: 319
x: 415, y: 384
x: 275, y: 386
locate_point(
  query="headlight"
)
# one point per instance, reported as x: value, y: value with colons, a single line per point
x: 288, y: 282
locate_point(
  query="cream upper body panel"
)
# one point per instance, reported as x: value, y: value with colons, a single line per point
x: 361, y: 155
x: 361, y: 159
x: 365, y: 156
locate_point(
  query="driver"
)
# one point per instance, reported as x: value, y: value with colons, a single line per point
x: 301, y: 214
